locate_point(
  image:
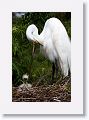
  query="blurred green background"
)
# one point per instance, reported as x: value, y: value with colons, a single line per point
x: 37, y: 66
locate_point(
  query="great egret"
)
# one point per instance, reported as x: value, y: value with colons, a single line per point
x: 55, y: 43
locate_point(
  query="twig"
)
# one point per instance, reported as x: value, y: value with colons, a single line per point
x: 41, y: 79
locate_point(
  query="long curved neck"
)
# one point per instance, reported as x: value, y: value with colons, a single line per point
x: 32, y: 34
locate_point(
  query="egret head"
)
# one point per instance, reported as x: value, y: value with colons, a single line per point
x: 32, y: 34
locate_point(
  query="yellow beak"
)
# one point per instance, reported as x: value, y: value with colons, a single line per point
x: 36, y: 42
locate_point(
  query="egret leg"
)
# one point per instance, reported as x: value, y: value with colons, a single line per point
x: 69, y: 73
x: 56, y: 67
x: 53, y: 71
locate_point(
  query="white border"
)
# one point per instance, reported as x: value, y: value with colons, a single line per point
x: 76, y: 104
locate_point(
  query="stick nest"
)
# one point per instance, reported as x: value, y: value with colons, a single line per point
x: 58, y: 92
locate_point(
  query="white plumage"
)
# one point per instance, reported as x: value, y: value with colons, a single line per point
x: 55, y: 42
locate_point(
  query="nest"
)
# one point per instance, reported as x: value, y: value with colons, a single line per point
x: 58, y: 92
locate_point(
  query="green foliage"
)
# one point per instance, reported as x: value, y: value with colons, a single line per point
x: 23, y: 61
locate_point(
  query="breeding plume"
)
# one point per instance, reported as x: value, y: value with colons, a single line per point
x: 55, y: 43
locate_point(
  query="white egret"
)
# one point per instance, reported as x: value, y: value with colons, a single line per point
x: 55, y: 43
